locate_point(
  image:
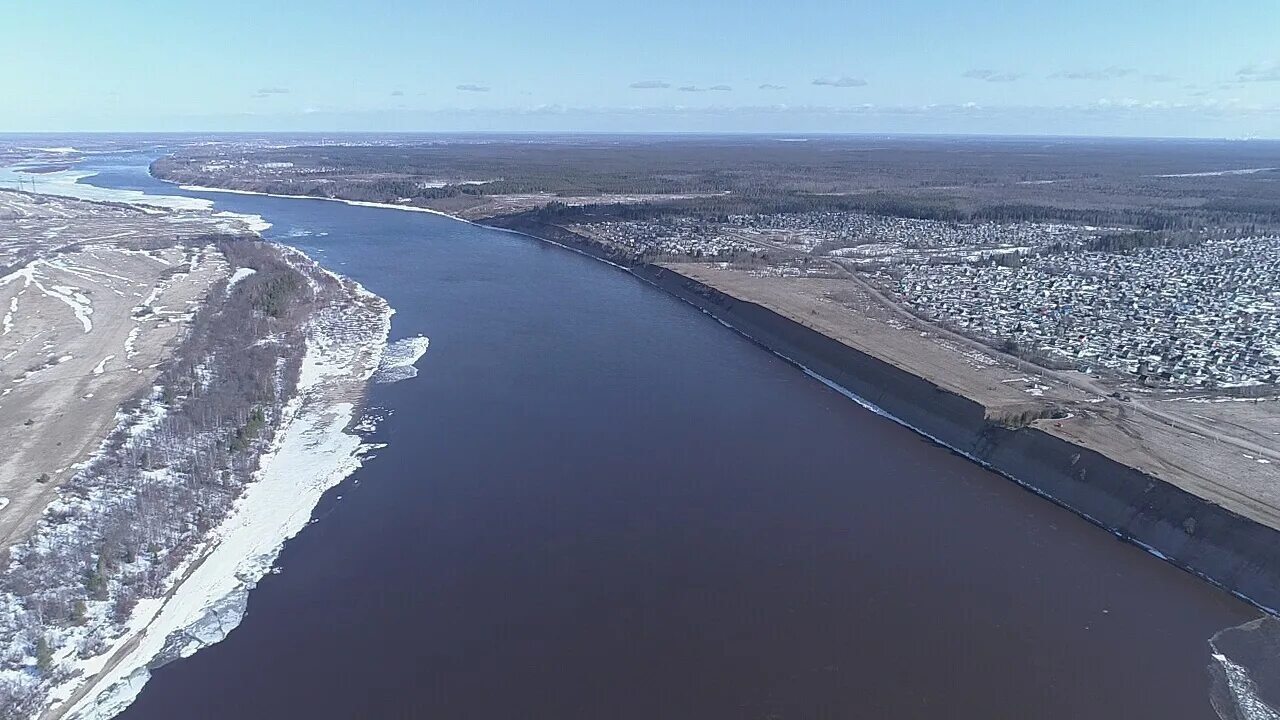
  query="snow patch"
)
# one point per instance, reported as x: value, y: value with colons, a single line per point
x: 8, y: 316
x: 131, y: 342
x: 76, y: 300
x: 102, y: 366
x: 1218, y: 173
x: 237, y: 276
x: 256, y: 223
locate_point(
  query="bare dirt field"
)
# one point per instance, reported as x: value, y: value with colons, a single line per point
x: 1223, y: 450
x: 91, y: 299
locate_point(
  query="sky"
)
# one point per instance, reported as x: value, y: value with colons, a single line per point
x: 1166, y: 68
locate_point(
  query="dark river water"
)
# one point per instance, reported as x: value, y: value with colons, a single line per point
x: 597, y: 503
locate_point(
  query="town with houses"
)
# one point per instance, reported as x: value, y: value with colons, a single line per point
x: 1202, y: 315
x: 853, y: 238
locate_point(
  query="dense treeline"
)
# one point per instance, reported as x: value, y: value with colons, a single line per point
x: 1130, y: 183
x: 636, y: 164
x: 1154, y: 186
x: 1128, y: 241
x: 719, y: 208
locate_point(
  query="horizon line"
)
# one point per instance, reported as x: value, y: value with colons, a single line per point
x: 653, y: 133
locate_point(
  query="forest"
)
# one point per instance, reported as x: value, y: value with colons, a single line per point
x: 1141, y: 184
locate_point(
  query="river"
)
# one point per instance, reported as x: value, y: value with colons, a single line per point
x: 597, y: 502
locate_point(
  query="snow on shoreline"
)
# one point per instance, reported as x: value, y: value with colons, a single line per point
x: 312, y: 452
x: 1217, y: 173
x: 356, y: 203
x: 67, y: 183
x: 1240, y: 689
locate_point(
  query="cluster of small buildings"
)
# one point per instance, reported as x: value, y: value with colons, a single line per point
x: 241, y: 168
x: 677, y: 237
x: 856, y: 239
x: 861, y: 236
x: 1207, y: 315
x: 1202, y: 316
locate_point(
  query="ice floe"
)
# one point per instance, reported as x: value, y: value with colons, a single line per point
x: 400, y: 358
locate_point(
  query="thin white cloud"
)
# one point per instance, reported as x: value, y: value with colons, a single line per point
x: 771, y: 86
x: 1125, y: 116
x: 844, y: 81
x: 1228, y: 108
x: 713, y: 88
x: 471, y: 87
x: 990, y: 75
x: 1116, y: 105
x: 269, y: 91
x: 1260, y: 72
x: 1111, y: 72
x: 650, y: 85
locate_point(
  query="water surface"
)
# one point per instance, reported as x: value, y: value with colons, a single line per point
x: 597, y: 502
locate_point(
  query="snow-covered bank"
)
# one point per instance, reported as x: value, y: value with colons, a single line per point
x: 67, y: 183
x: 356, y: 203
x: 174, y: 568
x: 1217, y: 173
x: 311, y: 453
x: 1243, y: 671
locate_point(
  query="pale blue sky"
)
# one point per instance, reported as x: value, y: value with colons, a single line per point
x: 1137, y: 67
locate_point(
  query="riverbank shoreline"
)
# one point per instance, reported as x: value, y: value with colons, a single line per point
x: 315, y: 445
x: 313, y: 451
x: 1231, y: 551
x: 92, y: 667
x: 353, y: 203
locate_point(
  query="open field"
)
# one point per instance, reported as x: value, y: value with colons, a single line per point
x: 92, y: 301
